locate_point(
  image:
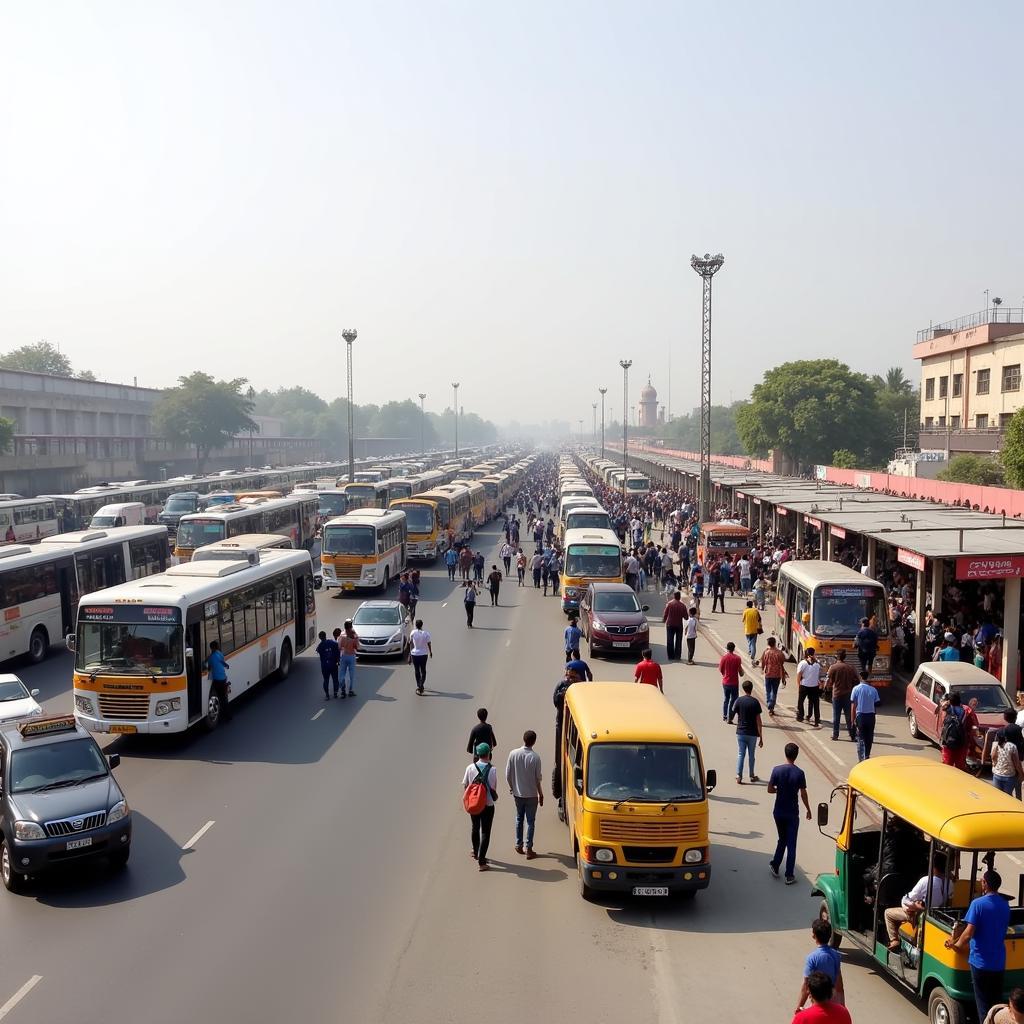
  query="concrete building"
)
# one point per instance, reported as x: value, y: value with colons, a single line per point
x: 970, y: 380
x: 647, y: 410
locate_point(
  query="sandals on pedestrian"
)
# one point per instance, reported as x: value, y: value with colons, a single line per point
x: 739, y: 780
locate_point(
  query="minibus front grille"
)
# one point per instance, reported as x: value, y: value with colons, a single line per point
x: 616, y: 830
x: 124, y: 705
x: 348, y: 572
x: 650, y: 854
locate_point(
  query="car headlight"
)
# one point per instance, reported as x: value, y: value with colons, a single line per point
x: 165, y: 707
x: 117, y: 812
x: 396, y: 636
x: 37, y: 710
x: 644, y: 626
x: 596, y: 624
x: 28, y: 830
x: 694, y: 856
x: 84, y: 704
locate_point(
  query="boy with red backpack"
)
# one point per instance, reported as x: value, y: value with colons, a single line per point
x: 480, y: 790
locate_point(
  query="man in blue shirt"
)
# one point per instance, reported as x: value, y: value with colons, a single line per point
x: 788, y: 783
x: 822, y: 958
x: 987, y: 919
x: 218, y: 668
x: 451, y: 560
x: 330, y: 656
x: 864, y: 699
x: 867, y: 645
x: 572, y: 640
x: 950, y: 651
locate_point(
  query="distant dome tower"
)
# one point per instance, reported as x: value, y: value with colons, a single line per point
x: 648, y: 413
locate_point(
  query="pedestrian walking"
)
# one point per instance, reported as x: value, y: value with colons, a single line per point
x: 841, y: 679
x: 717, y: 583
x: 506, y: 556
x: 469, y: 601
x: 220, y: 687
x: 674, y: 616
x: 482, y: 773
x: 730, y: 665
x: 348, y: 642
x: 494, y: 584
x: 996, y: 751
x: 536, y: 565
x: 648, y: 671
x: 414, y: 592
x: 760, y: 593
x: 690, y: 632
x: 420, y: 648
x: 987, y: 919
x: 752, y: 628
x: 958, y: 731
x: 747, y: 712
x: 478, y: 566
x: 789, y: 785
x: 451, y: 561
x: 521, y: 567
x: 808, y: 688
x: 773, y: 668
x: 823, y: 1009
x: 330, y: 655
x: 465, y: 562
x: 866, y: 643
x: 571, y: 636
x: 481, y: 732
x: 823, y: 958
x: 864, y: 701
x: 525, y: 782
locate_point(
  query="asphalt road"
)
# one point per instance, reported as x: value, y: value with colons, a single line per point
x: 332, y: 880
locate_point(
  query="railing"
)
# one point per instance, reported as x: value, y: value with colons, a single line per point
x: 936, y: 431
x: 994, y: 315
x: 126, y: 447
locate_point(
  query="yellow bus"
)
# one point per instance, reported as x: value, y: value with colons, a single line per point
x: 364, y: 549
x: 591, y: 556
x: 634, y: 793
x: 494, y: 489
x: 454, y: 512
x: 820, y: 604
x: 426, y: 536
x: 478, y: 503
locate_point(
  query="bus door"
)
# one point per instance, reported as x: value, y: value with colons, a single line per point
x: 68, y: 596
x: 194, y: 670
x: 300, y: 611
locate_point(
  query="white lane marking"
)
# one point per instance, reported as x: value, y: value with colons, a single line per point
x: 19, y: 995
x: 835, y: 757
x: 318, y: 714
x: 444, y: 604
x: 508, y: 643
x: 199, y: 835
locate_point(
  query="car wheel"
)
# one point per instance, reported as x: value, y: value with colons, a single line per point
x: 14, y: 881
x: 912, y: 725
x: 119, y: 860
x: 38, y: 645
x: 944, y: 1009
x: 284, y: 667
x: 823, y: 915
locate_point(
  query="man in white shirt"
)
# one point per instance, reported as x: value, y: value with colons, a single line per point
x: 916, y: 900
x: 483, y: 770
x: 744, y: 567
x: 419, y: 650
x: 523, y: 775
x: 808, y: 683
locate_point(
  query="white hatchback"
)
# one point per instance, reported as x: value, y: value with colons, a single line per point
x: 383, y: 627
x: 16, y: 699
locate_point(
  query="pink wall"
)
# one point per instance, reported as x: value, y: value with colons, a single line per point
x: 733, y: 461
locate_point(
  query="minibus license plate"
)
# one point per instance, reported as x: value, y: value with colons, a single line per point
x: 650, y: 890
x: 124, y: 728
x: 620, y: 643
x: 77, y: 844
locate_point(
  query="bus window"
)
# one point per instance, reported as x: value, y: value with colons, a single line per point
x: 349, y: 540
x: 801, y: 606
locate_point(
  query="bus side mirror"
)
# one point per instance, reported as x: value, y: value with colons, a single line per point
x: 711, y: 779
x: 806, y: 618
x: 577, y: 778
x: 822, y: 814
x: 69, y: 641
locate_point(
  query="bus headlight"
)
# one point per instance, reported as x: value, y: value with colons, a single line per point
x: 117, y: 812
x: 601, y: 854
x: 694, y: 856
x: 371, y: 575
x: 165, y: 707
x: 28, y: 830
x: 84, y: 704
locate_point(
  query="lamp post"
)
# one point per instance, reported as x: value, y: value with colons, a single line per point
x: 250, y: 394
x: 707, y: 267
x: 594, y: 438
x: 350, y: 334
x: 580, y: 422
x: 423, y: 422
x: 604, y: 391
x: 455, y: 405
x: 625, y: 364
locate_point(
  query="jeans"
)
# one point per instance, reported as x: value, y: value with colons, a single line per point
x: 691, y: 646
x: 536, y: 578
x: 771, y: 691
x: 674, y: 642
x: 729, y: 697
x: 752, y: 645
x: 812, y: 695
x: 520, y: 572
x: 470, y: 608
x: 481, y: 833
x: 419, y: 666
x: 1006, y: 783
x: 494, y: 595
x: 988, y: 990
x: 745, y: 746
x: 526, y: 807
x: 866, y: 660
x: 787, y: 829
x: 330, y: 674
x: 865, y: 735
x: 841, y: 706
x: 348, y: 667
x: 572, y: 654
x: 744, y: 585
x: 451, y: 571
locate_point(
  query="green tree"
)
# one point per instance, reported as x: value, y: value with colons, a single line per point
x: 843, y: 458
x: 973, y: 469
x: 7, y: 428
x: 684, y: 431
x: 895, y: 380
x: 42, y: 357
x: 1012, y: 455
x: 809, y: 409
x: 204, y: 413
x: 85, y: 375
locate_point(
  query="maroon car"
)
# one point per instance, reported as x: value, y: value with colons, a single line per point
x: 612, y: 619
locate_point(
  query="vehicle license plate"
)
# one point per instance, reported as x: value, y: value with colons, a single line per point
x: 77, y: 844
x: 620, y: 643
x: 124, y: 728
x: 348, y: 586
x: 650, y: 890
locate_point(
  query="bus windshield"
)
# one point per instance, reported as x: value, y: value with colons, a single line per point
x: 135, y: 648
x: 194, y: 533
x: 180, y: 506
x: 646, y: 772
x: 588, y: 521
x: 594, y: 561
x: 637, y: 484
x: 838, y: 610
x: 361, y: 492
x: 349, y: 540
x: 332, y: 504
x: 420, y: 517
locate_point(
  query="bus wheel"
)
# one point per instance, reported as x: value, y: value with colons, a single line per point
x: 38, y: 645
x: 823, y: 915
x: 387, y: 580
x: 13, y: 880
x: 944, y: 1009
x: 213, y: 710
x: 586, y: 892
x: 284, y: 667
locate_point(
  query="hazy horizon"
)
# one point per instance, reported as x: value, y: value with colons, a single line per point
x: 507, y: 197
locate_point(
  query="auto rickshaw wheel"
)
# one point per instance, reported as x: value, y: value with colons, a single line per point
x: 823, y: 915
x: 944, y: 1009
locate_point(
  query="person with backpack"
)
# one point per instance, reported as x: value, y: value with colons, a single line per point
x: 867, y: 645
x: 958, y: 728
x: 864, y: 700
x: 479, y: 792
x: 330, y: 656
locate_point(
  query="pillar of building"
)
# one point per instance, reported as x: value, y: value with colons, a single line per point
x: 937, y: 572
x: 798, y: 531
x: 1011, y: 636
x: 918, y: 611
x: 872, y: 554
x: 750, y: 511
x: 825, y: 537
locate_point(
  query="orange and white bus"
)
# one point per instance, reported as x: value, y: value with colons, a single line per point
x: 453, y: 505
x: 365, y: 549
x: 426, y: 537
x: 478, y: 507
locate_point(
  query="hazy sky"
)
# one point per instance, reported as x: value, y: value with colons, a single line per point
x: 505, y: 194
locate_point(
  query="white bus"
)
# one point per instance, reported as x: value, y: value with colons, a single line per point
x: 366, y: 549
x: 141, y: 648
x: 39, y: 585
x: 293, y: 517
x: 25, y: 520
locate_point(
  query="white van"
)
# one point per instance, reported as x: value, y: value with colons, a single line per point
x: 127, y: 513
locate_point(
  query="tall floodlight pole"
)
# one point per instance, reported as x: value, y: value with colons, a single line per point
x: 625, y: 364
x: 423, y: 422
x: 604, y: 391
x: 594, y: 439
x: 350, y: 335
x: 250, y: 394
x: 707, y: 267
x: 455, y: 386
x: 580, y: 422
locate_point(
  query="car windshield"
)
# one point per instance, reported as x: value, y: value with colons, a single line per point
x: 645, y: 772
x: 376, y: 617
x: 588, y: 521
x: 194, y: 533
x: 129, y: 648
x: 616, y: 602
x: 839, y: 609
x: 180, y: 505
x: 984, y: 698
x: 593, y: 561
x: 420, y: 517
x: 47, y: 763
x: 12, y: 689
x: 102, y: 522
x: 348, y: 540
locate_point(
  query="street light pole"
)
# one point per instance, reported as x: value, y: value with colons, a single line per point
x: 707, y: 268
x: 423, y: 423
x: 350, y: 334
x: 604, y: 391
x: 455, y: 385
x: 625, y: 364
x: 250, y: 394
x: 594, y: 439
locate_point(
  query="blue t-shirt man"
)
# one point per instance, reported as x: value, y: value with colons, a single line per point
x: 990, y: 915
x: 330, y: 653
x: 788, y: 780
x: 864, y: 699
x: 824, y: 959
x: 572, y: 637
x: 218, y: 666
x: 949, y: 653
x: 451, y: 556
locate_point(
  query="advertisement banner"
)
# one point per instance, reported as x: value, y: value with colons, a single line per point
x: 989, y: 567
x: 911, y: 558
